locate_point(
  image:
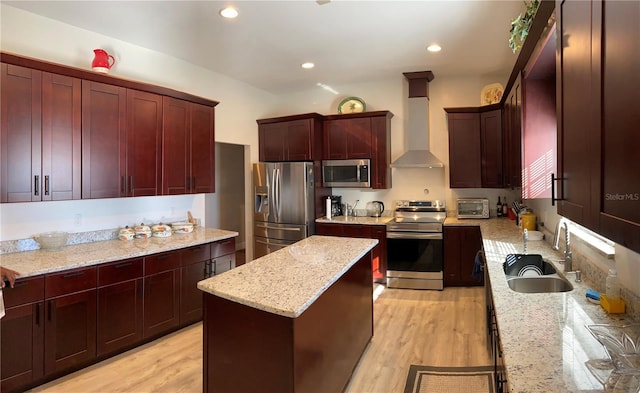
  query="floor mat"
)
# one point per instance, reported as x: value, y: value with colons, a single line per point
x: 426, y: 379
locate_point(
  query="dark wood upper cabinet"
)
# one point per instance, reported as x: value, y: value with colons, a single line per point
x: 103, y: 140
x: 21, y: 134
x: 512, y: 136
x: 144, y: 149
x: 475, y: 147
x: 290, y: 138
x: 491, y: 148
x: 464, y: 150
x: 619, y: 203
x: 364, y: 135
x: 347, y: 138
x: 188, y: 142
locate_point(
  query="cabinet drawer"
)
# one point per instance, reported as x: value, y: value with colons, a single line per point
x: 119, y: 271
x: 70, y: 281
x: 195, y: 254
x: 161, y: 262
x: 223, y: 247
x: 26, y: 290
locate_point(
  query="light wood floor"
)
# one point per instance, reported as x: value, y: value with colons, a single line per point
x: 435, y: 328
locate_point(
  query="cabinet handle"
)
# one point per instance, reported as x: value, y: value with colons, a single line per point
x: 72, y: 275
x: 36, y: 185
x: 121, y: 265
x: 165, y: 256
x: 553, y: 189
x: 38, y: 314
x: 46, y: 185
x: 131, y: 185
x: 50, y: 313
x: 123, y: 186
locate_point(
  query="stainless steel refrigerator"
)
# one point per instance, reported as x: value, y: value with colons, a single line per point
x: 283, y: 205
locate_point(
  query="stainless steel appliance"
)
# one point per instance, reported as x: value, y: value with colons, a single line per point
x: 472, y: 208
x: 346, y: 173
x: 415, y: 245
x: 283, y: 205
x: 336, y: 205
x: 375, y: 208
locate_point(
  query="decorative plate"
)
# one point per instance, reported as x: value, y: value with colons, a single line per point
x: 491, y: 94
x: 351, y: 105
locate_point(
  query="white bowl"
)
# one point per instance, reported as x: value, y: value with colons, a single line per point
x: 52, y: 240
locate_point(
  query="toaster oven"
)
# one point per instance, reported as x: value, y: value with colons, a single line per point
x: 472, y: 208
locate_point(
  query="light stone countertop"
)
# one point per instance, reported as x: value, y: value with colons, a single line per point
x: 543, y: 335
x: 286, y: 282
x: 355, y: 220
x: 32, y: 263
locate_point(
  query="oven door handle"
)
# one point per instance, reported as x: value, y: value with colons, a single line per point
x: 414, y: 235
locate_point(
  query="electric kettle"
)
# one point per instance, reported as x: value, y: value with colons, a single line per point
x: 375, y: 208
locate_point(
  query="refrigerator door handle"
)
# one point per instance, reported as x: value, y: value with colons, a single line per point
x: 278, y: 228
x: 276, y: 192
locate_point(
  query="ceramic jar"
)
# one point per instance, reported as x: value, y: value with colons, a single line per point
x: 142, y: 231
x: 161, y: 230
x: 126, y: 233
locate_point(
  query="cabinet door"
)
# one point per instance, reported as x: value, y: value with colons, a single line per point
x: 70, y: 331
x: 175, y: 146
x: 619, y: 215
x: 103, y: 140
x: 20, y: 146
x: 272, y: 139
x: 144, y: 132
x: 335, y: 144
x: 119, y: 316
x: 61, y: 137
x: 202, y: 149
x: 491, y: 139
x: 190, y: 296
x: 578, y: 147
x: 464, y: 150
x: 359, y: 138
x: 22, y: 346
x: 223, y: 263
x: 460, y: 247
x: 161, y: 302
x: 298, y: 140
x: 381, y: 151
x: 379, y: 253
x: 513, y: 137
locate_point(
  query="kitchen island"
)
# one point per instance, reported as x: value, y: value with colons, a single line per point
x: 296, y: 320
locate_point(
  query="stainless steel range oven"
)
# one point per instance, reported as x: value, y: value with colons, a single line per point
x: 414, y: 245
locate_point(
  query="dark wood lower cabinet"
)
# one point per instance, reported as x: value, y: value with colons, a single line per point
x: 70, y: 331
x: 461, y: 244
x: 21, y: 337
x: 379, y: 253
x: 60, y: 322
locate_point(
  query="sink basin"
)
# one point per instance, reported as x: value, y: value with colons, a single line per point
x: 527, y: 265
x: 542, y: 284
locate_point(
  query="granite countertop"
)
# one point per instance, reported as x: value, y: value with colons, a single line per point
x: 32, y: 263
x: 355, y: 220
x: 543, y: 335
x: 286, y: 282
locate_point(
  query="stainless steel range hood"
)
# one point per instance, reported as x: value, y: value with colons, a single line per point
x: 417, y: 129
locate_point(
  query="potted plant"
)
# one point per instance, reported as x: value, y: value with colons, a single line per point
x: 521, y: 24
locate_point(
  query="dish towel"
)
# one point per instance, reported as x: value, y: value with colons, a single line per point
x: 478, y: 266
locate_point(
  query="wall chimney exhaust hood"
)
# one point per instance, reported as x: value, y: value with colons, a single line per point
x: 417, y: 138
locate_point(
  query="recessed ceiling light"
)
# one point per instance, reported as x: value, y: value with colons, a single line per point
x: 434, y: 48
x: 229, y: 12
x: 308, y: 65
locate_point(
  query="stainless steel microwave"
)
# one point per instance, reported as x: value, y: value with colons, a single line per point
x: 472, y: 208
x: 346, y: 173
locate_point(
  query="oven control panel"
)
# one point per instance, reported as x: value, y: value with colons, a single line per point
x: 419, y: 205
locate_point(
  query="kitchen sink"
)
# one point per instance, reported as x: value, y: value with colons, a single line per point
x: 527, y: 265
x: 541, y: 284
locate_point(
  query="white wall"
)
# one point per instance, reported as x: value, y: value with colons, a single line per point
x: 240, y: 105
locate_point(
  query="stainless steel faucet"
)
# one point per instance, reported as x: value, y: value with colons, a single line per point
x: 525, y: 237
x: 568, y: 257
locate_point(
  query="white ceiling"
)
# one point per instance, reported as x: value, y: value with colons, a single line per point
x: 349, y: 41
